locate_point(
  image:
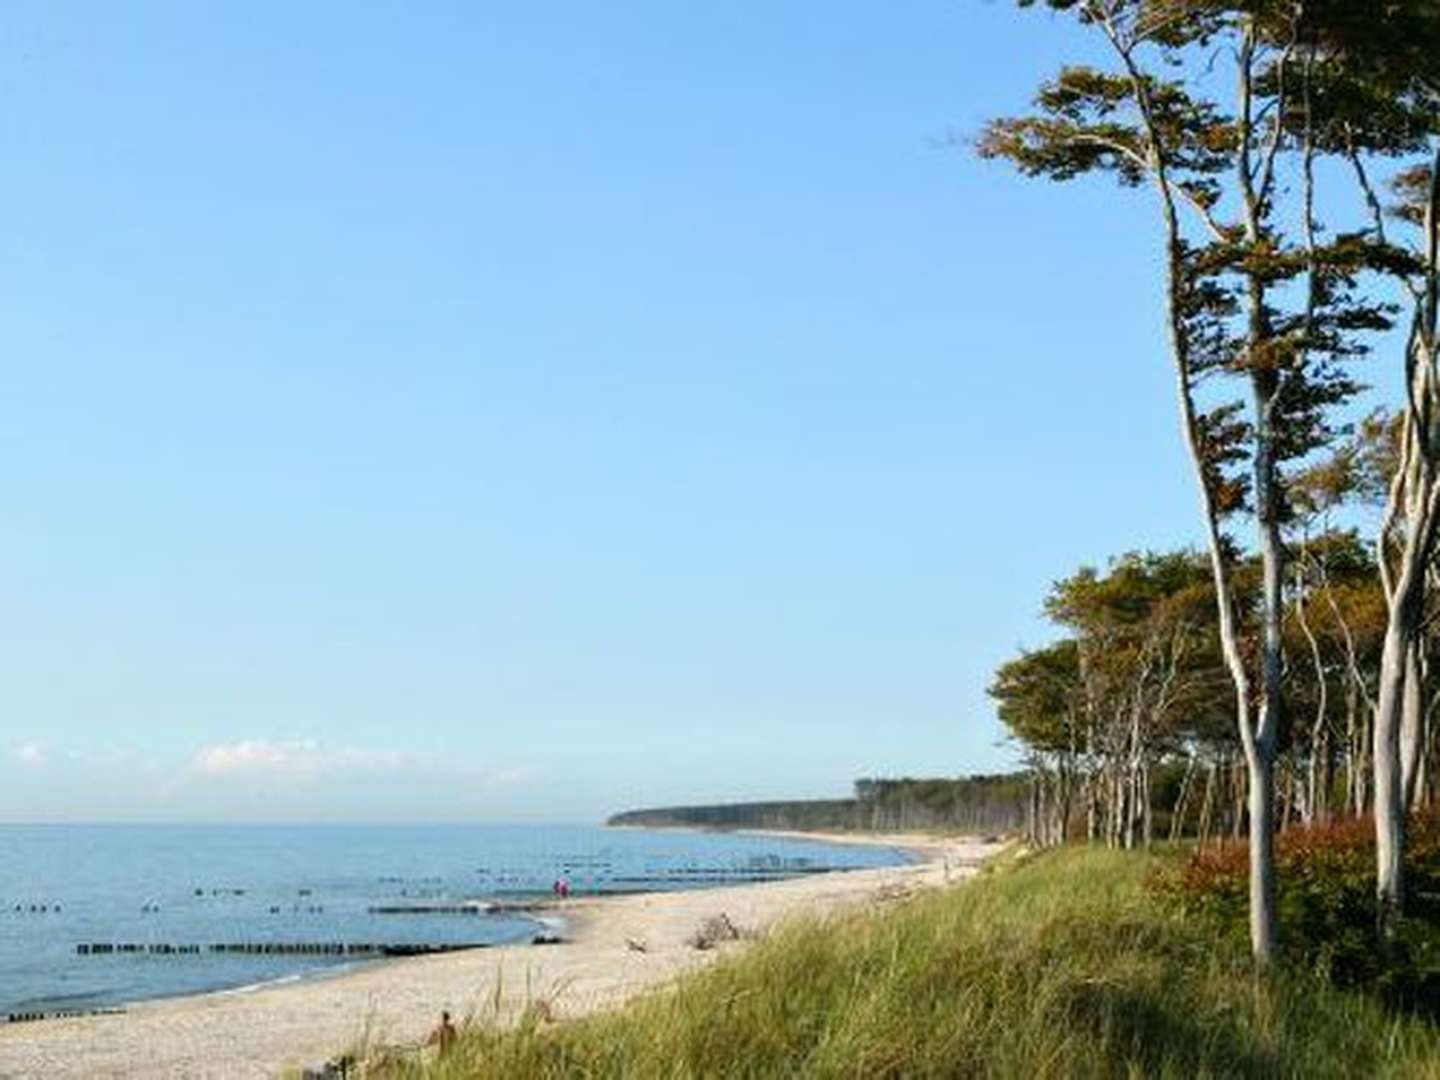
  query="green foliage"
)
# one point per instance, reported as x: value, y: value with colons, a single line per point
x: 1038, y: 696
x: 1065, y: 965
x: 1285, y: 309
x: 1327, y: 906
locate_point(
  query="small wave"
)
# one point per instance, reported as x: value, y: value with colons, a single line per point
x: 315, y: 974
x: 250, y: 988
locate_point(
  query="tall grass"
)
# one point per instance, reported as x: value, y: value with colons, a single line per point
x: 1067, y: 965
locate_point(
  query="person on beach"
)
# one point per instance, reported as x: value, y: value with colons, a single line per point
x: 444, y: 1035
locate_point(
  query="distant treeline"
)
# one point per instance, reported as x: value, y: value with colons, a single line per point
x: 988, y: 804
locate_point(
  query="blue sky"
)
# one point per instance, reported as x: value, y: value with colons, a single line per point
x: 526, y: 411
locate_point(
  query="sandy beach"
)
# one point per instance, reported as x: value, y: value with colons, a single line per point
x: 265, y: 1031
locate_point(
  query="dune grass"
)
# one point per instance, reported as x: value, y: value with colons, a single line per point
x: 1065, y: 965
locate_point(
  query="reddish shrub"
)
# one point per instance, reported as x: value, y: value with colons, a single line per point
x: 1326, y: 903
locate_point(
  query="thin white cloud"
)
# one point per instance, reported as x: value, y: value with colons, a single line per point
x: 32, y: 754
x: 298, y: 757
x: 513, y: 774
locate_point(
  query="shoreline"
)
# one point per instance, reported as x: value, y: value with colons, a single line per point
x: 265, y: 1029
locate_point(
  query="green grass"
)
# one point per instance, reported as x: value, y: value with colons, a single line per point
x: 1065, y: 965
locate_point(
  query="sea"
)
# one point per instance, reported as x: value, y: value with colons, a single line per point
x: 96, y: 916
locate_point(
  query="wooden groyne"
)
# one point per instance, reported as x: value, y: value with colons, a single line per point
x: 431, y: 909
x: 275, y: 948
x: 534, y: 902
x: 57, y: 1014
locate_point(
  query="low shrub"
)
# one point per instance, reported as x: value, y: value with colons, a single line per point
x: 1327, y: 908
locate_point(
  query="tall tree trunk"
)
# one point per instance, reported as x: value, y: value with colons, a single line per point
x: 1412, y: 725
x: 1404, y: 591
x: 1288, y: 792
x: 1325, y: 781
x: 1367, y: 769
x: 1041, y: 810
x: 1117, y: 803
x: 1426, y: 780
x: 1182, y: 800
x: 1353, y: 744
x: 1147, y: 812
x: 1257, y: 740
x: 1237, y: 800
x: 1259, y: 744
x: 1092, y: 807
x: 1033, y: 816
x: 1207, y: 802
x: 1389, y: 794
x: 1413, y: 488
x: 1357, y: 695
x: 1068, y: 810
x: 1132, y: 775
x: 1314, y: 778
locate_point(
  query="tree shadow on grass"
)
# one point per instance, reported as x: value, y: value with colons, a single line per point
x: 1137, y: 1030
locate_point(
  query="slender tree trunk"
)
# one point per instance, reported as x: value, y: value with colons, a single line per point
x: 1389, y: 795
x: 1358, y: 708
x: 1352, y: 751
x: 1147, y: 812
x: 1415, y: 489
x: 1259, y: 744
x: 1092, y: 807
x: 1262, y: 863
x: 1068, y: 765
x: 1257, y: 741
x: 1426, y: 780
x: 1127, y: 807
x: 1033, y: 815
x: 1313, y: 797
x: 1322, y: 795
x: 1237, y: 800
x: 1041, y: 811
x: 1117, y: 803
x: 1412, y: 726
x: 1367, y: 770
x: 1207, y: 802
x: 1395, y: 663
x: 1292, y: 797
x: 1182, y: 800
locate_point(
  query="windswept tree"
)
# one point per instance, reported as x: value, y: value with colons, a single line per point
x: 1337, y: 604
x: 1257, y: 289
x: 1144, y: 633
x: 1041, y: 701
x: 1388, y: 94
x: 1099, y: 711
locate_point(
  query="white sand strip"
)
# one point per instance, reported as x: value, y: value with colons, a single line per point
x: 265, y: 1031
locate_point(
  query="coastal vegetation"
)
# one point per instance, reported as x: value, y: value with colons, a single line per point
x: 1126, y: 718
x: 1078, y: 961
x: 988, y: 804
x: 1292, y: 151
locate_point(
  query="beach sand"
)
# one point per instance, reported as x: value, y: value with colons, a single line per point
x: 266, y: 1031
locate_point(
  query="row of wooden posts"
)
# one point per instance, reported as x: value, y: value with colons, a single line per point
x: 273, y: 948
x: 62, y: 1014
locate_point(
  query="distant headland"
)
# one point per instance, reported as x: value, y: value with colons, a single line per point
x: 981, y: 804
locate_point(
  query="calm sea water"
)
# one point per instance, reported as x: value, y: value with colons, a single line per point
x: 63, y: 886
